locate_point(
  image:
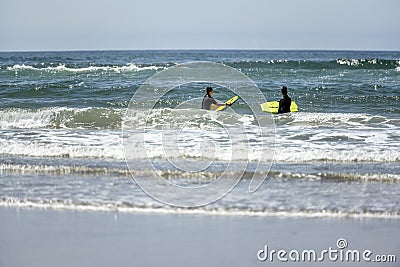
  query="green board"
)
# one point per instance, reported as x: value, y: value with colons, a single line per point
x: 274, y: 105
x: 230, y: 101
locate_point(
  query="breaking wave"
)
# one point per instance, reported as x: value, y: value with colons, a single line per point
x: 92, y: 68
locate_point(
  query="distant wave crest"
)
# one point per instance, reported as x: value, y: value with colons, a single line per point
x: 360, y: 63
x: 64, y: 68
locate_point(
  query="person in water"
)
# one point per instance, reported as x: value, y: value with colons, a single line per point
x: 209, y: 102
x: 285, y: 102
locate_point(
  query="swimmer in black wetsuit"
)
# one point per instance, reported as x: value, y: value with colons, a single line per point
x: 209, y: 102
x: 285, y: 102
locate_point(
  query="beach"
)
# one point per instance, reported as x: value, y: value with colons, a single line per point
x: 40, y: 237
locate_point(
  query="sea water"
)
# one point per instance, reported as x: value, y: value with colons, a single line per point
x: 61, y: 118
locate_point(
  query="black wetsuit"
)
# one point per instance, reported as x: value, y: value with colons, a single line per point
x: 207, y: 102
x: 284, y: 104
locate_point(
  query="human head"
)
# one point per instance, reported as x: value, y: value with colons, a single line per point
x: 284, y: 90
x: 209, y: 91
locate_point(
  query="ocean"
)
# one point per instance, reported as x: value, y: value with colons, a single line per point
x: 62, y: 114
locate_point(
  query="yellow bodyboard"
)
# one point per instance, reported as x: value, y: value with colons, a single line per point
x: 274, y: 105
x: 230, y: 101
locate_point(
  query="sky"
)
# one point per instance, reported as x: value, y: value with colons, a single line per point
x: 42, y: 25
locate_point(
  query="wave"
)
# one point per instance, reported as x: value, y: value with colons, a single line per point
x: 108, y: 146
x: 299, y: 137
x: 223, y: 211
x: 130, y: 67
x: 61, y: 117
x: 64, y: 145
x: 112, y: 118
x: 337, y: 154
x: 24, y: 169
x: 383, y: 63
x: 336, y: 119
x: 340, y: 63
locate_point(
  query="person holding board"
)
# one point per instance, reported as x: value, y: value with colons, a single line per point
x: 285, y: 105
x: 209, y: 102
x: 285, y: 102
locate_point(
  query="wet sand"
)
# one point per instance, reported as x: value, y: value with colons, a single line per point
x: 42, y: 237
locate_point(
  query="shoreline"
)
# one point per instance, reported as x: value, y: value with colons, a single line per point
x: 198, y: 211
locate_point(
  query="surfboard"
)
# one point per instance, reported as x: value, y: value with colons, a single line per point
x: 274, y: 105
x: 230, y: 101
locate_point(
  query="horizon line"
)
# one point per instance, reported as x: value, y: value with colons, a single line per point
x: 201, y: 49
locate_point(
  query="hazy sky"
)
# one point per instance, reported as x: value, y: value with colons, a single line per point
x: 200, y: 24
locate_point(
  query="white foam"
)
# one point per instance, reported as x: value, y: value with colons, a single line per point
x: 331, y: 119
x: 63, y: 143
x: 108, y: 144
x: 277, y: 61
x: 336, y: 154
x: 54, y: 117
x: 176, y: 174
x: 356, y: 62
x: 126, y: 68
x: 24, y: 119
x: 300, y: 137
x: 349, y: 62
x: 150, y: 208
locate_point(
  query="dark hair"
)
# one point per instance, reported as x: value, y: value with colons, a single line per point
x: 209, y: 90
x: 284, y: 90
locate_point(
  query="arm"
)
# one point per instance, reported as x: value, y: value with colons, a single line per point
x: 280, y: 106
x: 215, y: 104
